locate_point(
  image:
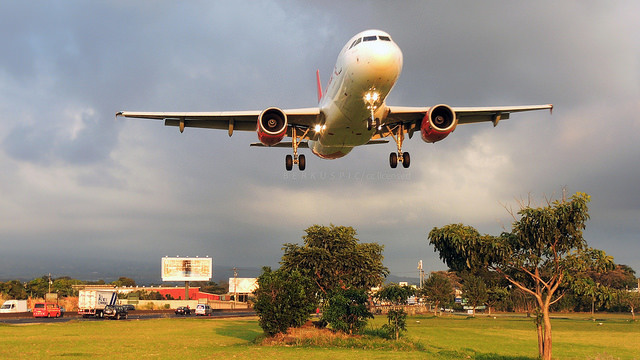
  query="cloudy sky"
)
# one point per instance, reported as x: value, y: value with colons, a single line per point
x: 76, y: 183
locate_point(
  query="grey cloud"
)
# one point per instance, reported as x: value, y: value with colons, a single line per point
x: 150, y: 191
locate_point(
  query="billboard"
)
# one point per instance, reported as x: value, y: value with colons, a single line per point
x: 186, y: 269
x: 242, y: 285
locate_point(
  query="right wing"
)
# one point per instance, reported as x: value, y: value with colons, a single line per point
x: 465, y: 115
x: 225, y: 120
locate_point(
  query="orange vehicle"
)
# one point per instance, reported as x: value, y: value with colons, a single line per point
x: 46, y: 310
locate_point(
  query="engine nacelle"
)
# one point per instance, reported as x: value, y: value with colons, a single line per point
x: 272, y: 126
x: 438, y: 123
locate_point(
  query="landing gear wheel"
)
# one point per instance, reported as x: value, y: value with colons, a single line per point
x: 393, y: 160
x: 369, y: 124
x: 406, y: 160
x: 288, y: 162
x: 302, y: 162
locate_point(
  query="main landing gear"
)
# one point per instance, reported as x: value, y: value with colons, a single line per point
x: 397, y: 133
x: 289, y: 160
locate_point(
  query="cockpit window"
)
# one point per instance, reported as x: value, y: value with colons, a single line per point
x: 369, y: 38
x: 355, y: 42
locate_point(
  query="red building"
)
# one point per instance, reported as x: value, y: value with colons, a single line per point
x: 176, y: 293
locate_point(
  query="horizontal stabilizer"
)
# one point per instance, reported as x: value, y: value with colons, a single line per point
x: 373, y: 142
x: 284, y: 144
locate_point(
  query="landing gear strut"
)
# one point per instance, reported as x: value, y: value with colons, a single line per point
x: 372, y: 123
x: 398, y: 137
x: 289, y: 160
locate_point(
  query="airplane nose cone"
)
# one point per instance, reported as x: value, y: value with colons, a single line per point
x: 382, y: 59
x: 385, y: 56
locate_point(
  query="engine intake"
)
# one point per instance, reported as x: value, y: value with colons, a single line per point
x: 438, y: 123
x: 272, y: 126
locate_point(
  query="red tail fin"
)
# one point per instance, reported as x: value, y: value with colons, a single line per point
x: 319, y: 85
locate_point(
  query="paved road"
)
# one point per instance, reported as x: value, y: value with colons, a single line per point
x: 133, y: 315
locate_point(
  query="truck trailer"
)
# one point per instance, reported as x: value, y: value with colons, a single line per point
x: 92, y: 302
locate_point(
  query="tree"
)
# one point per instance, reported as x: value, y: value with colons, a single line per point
x: 347, y: 311
x: 284, y: 299
x: 439, y: 290
x: 64, y: 286
x: 396, y: 317
x: 124, y: 281
x: 630, y: 300
x: 598, y: 294
x: 14, y: 289
x: 395, y: 294
x: 474, y: 291
x: 496, y: 294
x: 38, y: 287
x: 543, y: 252
x: 621, y: 277
x: 333, y: 259
x: 212, y: 287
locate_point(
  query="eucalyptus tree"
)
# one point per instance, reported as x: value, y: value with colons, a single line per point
x: 544, y: 252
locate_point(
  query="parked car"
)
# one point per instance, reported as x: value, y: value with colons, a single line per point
x: 129, y: 307
x: 203, y: 310
x: 46, y: 310
x: 116, y: 312
x: 183, y: 310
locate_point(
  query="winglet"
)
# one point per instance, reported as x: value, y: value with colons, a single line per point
x: 551, y: 109
x: 319, y: 85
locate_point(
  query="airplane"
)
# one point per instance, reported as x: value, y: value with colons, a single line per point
x: 351, y: 112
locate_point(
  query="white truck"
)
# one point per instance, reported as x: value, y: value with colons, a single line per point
x: 14, y: 306
x: 92, y: 302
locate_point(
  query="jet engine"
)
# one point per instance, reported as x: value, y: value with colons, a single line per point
x: 438, y: 123
x: 272, y: 126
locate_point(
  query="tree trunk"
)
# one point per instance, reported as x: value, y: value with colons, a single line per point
x: 547, y: 332
x: 540, y: 336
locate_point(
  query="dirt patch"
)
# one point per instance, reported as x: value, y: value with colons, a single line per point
x: 306, y: 335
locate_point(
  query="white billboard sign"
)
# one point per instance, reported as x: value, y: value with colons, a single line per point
x: 242, y: 285
x: 186, y: 269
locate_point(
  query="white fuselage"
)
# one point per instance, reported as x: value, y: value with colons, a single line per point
x: 366, y: 70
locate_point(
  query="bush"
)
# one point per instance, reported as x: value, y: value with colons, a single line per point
x: 347, y: 311
x: 284, y: 299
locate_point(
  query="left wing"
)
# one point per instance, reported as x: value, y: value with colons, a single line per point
x: 224, y: 120
x: 465, y: 115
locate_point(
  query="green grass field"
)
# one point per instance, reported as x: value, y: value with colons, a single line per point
x: 452, y: 337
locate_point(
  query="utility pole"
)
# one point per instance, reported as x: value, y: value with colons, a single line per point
x: 420, y: 273
x: 235, y: 286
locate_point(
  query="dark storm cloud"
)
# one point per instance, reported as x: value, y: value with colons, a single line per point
x: 77, y: 176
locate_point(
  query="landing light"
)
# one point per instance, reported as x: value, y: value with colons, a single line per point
x: 371, y: 96
x: 319, y: 128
